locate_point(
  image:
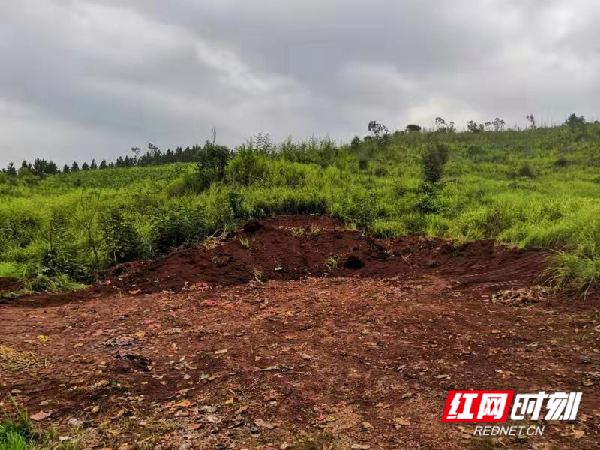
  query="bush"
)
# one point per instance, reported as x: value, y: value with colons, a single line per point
x: 526, y: 171
x: 177, y: 226
x: 433, y: 162
x: 212, y: 160
x: 248, y: 167
x: 45, y: 283
x: 120, y: 239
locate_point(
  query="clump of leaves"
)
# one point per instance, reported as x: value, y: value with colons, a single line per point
x: 211, y: 242
x: 45, y: 283
x: 332, y: 262
x: 244, y: 242
x: 298, y: 232
x: 258, y: 275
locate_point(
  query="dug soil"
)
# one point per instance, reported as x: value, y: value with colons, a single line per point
x: 297, y: 333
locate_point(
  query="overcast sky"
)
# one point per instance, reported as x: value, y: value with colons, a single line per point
x: 82, y: 79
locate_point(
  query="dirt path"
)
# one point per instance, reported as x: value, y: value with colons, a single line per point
x: 342, y: 362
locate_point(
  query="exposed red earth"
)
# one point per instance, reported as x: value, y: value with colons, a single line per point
x: 296, y: 333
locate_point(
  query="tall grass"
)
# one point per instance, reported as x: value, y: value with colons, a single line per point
x: 537, y: 188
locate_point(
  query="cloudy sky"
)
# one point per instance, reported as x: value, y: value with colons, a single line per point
x: 92, y: 78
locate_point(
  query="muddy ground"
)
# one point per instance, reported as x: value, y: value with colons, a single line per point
x: 298, y: 334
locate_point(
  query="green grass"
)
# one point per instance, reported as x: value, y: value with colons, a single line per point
x: 536, y: 188
x: 10, y: 269
x: 17, y: 432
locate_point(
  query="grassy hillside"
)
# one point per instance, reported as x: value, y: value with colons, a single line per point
x: 529, y: 188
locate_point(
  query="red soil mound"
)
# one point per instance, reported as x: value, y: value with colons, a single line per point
x: 287, y: 248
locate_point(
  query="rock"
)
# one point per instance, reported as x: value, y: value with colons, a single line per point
x: 261, y: 423
x: 41, y: 416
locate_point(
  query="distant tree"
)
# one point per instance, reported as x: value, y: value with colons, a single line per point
x: 451, y: 127
x: 41, y: 167
x: 66, y: 169
x: 262, y: 142
x: 574, y: 122
x: 93, y: 165
x: 212, y: 160
x: 531, y: 120
x: 103, y: 164
x: 474, y: 127
x: 440, y: 125
x: 25, y: 172
x: 413, y: 128
x: 498, y: 124
x: 10, y: 170
x: 74, y: 166
x: 153, y: 156
x: 377, y: 129
x: 85, y: 166
x: 355, y: 143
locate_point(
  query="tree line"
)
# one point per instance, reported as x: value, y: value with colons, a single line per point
x: 152, y: 157
x: 155, y: 156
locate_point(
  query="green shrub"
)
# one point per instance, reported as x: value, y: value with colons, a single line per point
x: 433, y: 162
x: 177, y: 226
x: 120, y: 239
x: 45, y: 283
x: 247, y: 167
x: 526, y: 171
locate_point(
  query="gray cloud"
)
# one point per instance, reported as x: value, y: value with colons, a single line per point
x: 85, y: 78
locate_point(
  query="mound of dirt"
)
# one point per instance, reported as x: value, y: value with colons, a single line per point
x: 291, y: 248
x: 361, y: 358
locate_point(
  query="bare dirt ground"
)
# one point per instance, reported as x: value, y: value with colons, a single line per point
x: 298, y: 334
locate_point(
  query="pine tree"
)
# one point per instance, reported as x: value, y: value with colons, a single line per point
x: 11, y: 169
